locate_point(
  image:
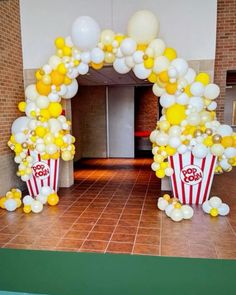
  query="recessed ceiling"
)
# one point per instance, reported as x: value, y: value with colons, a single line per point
x: 108, y: 76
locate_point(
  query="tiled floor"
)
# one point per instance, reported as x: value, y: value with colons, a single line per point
x: 112, y: 208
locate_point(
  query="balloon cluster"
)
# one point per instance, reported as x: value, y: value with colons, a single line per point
x: 188, y: 100
x: 214, y: 206
x: 174, y: 209
x: 46, y: 196
x: 12, y: 200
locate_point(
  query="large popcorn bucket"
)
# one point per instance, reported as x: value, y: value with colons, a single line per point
x: 44, y: 173
x: 192, y: 177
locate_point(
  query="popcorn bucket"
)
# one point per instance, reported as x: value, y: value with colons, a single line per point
x: 192, y: 177
x: 44, y: 173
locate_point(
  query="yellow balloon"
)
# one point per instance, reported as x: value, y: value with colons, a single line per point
x: 160, y: 173
x: 164, y: 125
x: 163, y: 76
x: 170, y: 150
x: 46, y: 79
x: 227, y: 141
x: 62, y: 69
x: 59, y: 42
x: 204, y: 78
x: 149, y: 63
x: 53, y: 199
x: 57, y: 78
x: 96, y: 66
x: 42, y: 88
x: 187, y: 90
x: 152, y: 78
x: 45, y: 114
x: 170, y: 53
x: 27, y: 209
x: 142, y: 47
x: 171, y: 88
x: 214, y: 212
x: 67, y: 51
x: 40, y: 131
x: 22, y: 106
x: 107, y: 37
x: 166, y: 197
x: 18, y: 202
x: 67, y: 80
x: 158, y: 158
x: 66, y: 155
x: 55, y: 109
x: 175, y: 114
x: 2, y: 201
x: 48, y: 138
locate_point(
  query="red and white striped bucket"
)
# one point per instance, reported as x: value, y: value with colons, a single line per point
x: 44, y: 173
x: 192, y: 177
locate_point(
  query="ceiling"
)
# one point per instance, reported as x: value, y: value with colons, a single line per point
x: 108, y: 76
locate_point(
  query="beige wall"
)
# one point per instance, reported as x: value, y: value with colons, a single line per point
x: 89, y: 122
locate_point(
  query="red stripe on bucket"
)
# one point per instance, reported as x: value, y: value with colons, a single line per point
x: 209, y: 178
x: 200, y: 184
x: 182, y: 183
x: 30, y: 187
x: 55, y: 175
x: 173, y: 177
x: 49, y: 173
x: 39, y: 158
x: 191, y: 187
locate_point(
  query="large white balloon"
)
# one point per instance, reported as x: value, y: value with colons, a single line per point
x: 206, y: 207
x: 10, y: 205
x: 224, y: 209
x: 143, y: 27
x: 120, y: 66
x: 182, y: 99
x: 212, y: 91
x: 200, y: 151
x: 180, y: 65
x: 31, y: 92
x: 167, y: 100
x: 230, y: 152
x: 71, y: 89
x: 54, y: 125
x: 141, y: 72
x: 157, y: 90
x: 190, y: 75
x: 128, y: 46
x: 162, y: 138
x: 85, y: 33
x: 97, y: 55
x: 19, y: 125
x: 225, y: 130
x: 215, y: 202
x: 36, y: 206
x: 197, y: 89
x: 161, y: 64
x: 197, y: 103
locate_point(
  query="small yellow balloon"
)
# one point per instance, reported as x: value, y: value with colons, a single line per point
x: 170, y: 150
x: 170, y: 53
x: 66, y: 155
x: 177, y: 206
x: 59, y: 42
x: 55, y: 109
x: 175, y: 114
x: 40, y: 131
x: 148, y: 63
x: 160, y: 173
x: 53, y: 199
x: 214, y: 212
x: 227, y: 141
x: 152, y: 78
x: 109, y: 57
x: 67, y: 51
x: 163, y: 76
x: 62, y: 69
x: 22, y: 106
x: 204, y: 78
x: 42, y: 88
x: 27, y: 209
x: 171, y: 88
x: 57, y: 78
x: 2, y: 202
x: 18, y: 202
x: 45, y: 113
x: 96, y: 66
x: 166, y: 197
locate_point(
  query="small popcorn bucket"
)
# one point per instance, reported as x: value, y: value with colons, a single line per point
x: 44, y: 173
x: 192, y: 177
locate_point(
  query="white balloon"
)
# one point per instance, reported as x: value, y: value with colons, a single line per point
x: 206, y: 207
x: 162, y: 204
x: 190, y: 75
x: 83, y: 68
x: 97, y: 55
x: 143, y: 27
x: 40, y: 147
x: 169, y: 171
x: 174, y: 141
x: 212, y: 91
x: 42, y: 102
x: 63, y: 90
x: 197, y: 89
x: 73, y: 73
x: 187, y: 211
x: 158, y: 46
x: 182, y: 149
x: 51, y: 148
x: 172, y: 72
x: 20, y: 137
x: 36, y: 206
x: 30, y: 107
x: 71, y: 89
x: 19, y: 125
x: 217, y: 149
x: 31, y: 92
x: 120, y: 66
x: 54, y: 61
x: 141, y: 72
x: 32, y: 124
x: 182, y: 99
x: 162, y: 138
x: 85, y: 57
x: 224, y: 209
x: 169, y: 209
x: 155, y: 166
x: 181, y: 66
x: 68, y: 41
x: 157, y: 90
x: 224, y: 130
x: 27, y: 200
x: 10, y: 205
x: 153, y: 136
x: 85, y: 33
x: 212, y: 106
x: 138, y: 56
x: 54, y: 97
x: 129, y: 61
x: 42, y: 199
x: 197, y: 103
x: 47, y: 69
x: 194, y: 119
x: 230, y: 152
x: 167, y: 100
x: 176, y: 215
x: 200, y: 151
x: 45, y: 190
x: 54, y: 125
x: 225, y: 165
x: 174, y: 131
x: 128, y: 46
x: 161, y: 64
x: 215, y: 202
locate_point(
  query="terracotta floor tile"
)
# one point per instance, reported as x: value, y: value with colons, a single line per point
x: 148, y: 239
x: 82, y: 226
x: 130, y: 230
x: 104, y: 228
x: 148, y: 231
x: 94, y: 245
x: 25, y: 240
x: 16, y: 246
x: 76, y: 235
x: 115, y: 247
x: 106, y: 221
x: 97, y: 236
x: 70, y: 243
x: 146, y: 249
x: 124, y: 238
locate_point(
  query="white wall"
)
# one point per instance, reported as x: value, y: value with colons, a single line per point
x: 187, y: 25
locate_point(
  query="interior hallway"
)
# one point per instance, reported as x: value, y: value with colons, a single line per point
x: 112, y: 208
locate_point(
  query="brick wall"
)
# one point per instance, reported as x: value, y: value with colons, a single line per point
x: 225, y: 47
x: 146, y: 109
x: 89, y: 122
x: 11, y: 86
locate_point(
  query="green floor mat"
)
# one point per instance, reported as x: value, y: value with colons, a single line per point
x: 59, y: 273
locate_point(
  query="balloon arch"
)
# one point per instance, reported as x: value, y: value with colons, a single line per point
x: 188, y: 123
